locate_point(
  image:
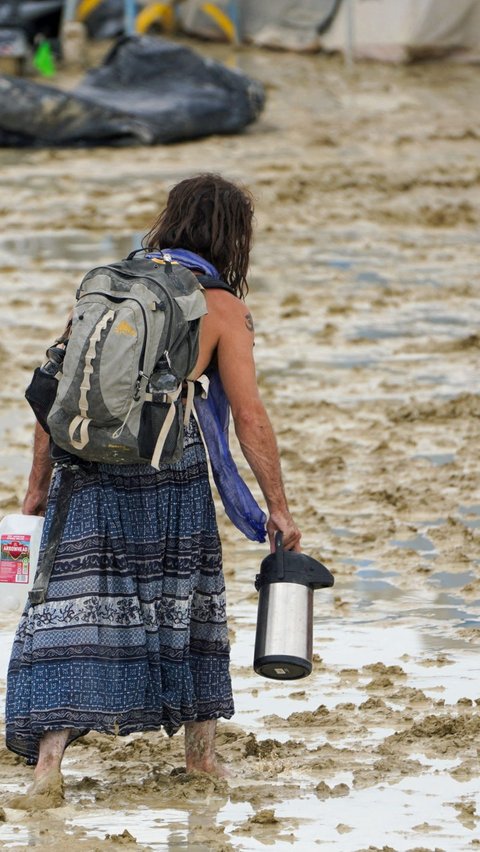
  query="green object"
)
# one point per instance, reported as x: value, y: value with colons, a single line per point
x: 43, y: 60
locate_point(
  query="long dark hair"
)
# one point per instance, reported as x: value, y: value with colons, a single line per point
x: 212, y: 217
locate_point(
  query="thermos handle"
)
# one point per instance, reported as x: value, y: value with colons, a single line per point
x: 279, y: 554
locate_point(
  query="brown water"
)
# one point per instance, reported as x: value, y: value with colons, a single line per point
x: 364, y: 293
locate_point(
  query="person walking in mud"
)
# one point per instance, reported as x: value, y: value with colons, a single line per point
x: 132, y: 635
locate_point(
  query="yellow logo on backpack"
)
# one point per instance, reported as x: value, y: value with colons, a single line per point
x: 125, y: 328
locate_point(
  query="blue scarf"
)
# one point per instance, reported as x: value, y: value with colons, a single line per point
x: 213, y: 416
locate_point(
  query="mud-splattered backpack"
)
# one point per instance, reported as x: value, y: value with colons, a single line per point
x: 133, y: 343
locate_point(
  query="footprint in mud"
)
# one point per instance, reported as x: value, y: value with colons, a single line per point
x: 193, y: 784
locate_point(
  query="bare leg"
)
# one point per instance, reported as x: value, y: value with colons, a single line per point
x: 200, y: 748
x: 50, y: 754
x: 46, y: 791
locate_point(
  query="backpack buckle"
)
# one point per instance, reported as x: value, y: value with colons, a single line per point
x: 138, y: 385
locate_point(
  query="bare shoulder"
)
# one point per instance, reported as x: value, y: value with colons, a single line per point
x: 226, y: 309
x: 235, y: 342
x: 227, y: 329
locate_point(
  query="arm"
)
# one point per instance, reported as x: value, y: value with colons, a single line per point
x: 39, y: 480
x: 252, y: 425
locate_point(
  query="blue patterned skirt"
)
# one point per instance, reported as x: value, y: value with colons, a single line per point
x: 133, y: 633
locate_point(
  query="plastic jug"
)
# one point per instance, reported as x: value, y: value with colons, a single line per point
x: 20, y: 537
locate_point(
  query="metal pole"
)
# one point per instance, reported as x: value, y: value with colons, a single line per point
x: 69, y: 9
x: 349, y: 33
x: 129, y: 7
x: 235, y: 18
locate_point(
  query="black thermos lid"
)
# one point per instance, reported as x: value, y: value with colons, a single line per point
x: 288, y: 566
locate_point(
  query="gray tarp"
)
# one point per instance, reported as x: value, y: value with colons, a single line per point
x: 12, y: 12
x: 43, y: 16
x: 30, y: 17
x: 148, y: 91
x: 293, y: 24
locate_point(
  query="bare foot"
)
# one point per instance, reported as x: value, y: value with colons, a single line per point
x: 219, y: 770
x: 45, y: 792
x: 213, y: 767
x: 199, y: 749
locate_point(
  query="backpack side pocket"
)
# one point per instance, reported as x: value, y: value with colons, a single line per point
x: 40, y: 395
x: 152, y: 419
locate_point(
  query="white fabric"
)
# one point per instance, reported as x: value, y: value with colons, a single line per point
x: 189, y: 402
x: 254, y: 17
x: 399, y: 29
x: 383, y: 29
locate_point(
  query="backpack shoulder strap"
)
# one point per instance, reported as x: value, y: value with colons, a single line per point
x: 210, y: 283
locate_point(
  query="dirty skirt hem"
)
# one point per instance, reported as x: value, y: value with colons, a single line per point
x: 115, y: 728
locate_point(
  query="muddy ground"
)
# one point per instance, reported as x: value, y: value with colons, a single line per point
x: 364, y: 289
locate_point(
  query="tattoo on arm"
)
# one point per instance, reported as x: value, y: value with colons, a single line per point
x: 249, y: 322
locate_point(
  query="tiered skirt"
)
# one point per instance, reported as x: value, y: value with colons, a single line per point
x: 133, y: 633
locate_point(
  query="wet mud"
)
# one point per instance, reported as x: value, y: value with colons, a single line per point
x: 365, y: 298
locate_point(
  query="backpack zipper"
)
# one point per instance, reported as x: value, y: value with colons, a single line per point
x: 165, y: 293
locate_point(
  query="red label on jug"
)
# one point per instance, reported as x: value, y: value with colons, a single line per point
x: 14, y: 558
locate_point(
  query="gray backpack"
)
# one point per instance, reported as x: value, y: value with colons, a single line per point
x: 133, y: 343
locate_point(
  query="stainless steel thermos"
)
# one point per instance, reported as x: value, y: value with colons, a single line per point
x: 284, y: 637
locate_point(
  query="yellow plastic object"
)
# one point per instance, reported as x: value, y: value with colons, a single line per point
x: 155, y: 12
x: 85, y: 7
x: 222, y: 20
